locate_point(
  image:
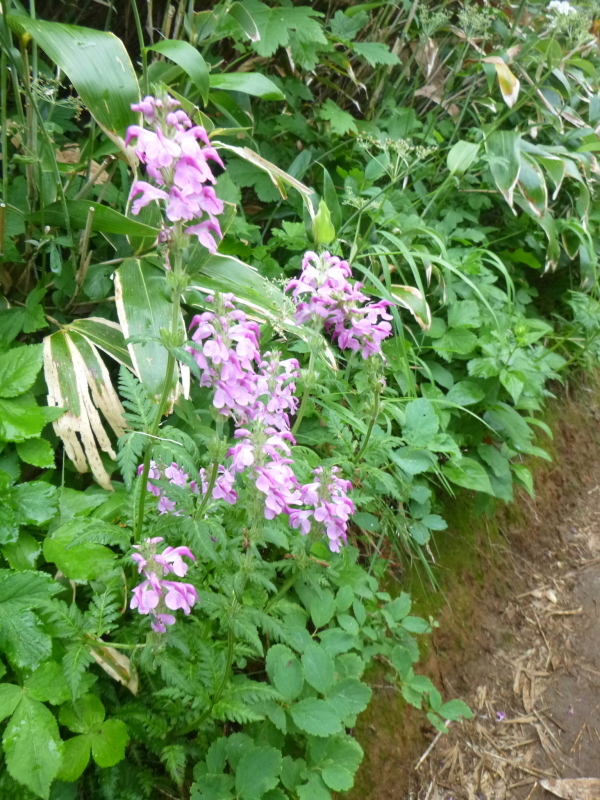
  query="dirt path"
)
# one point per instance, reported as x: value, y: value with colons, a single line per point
x: 534, y: 684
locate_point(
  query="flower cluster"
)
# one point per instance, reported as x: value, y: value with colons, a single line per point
x: 222, y: 490
x: 561, y: 7
x: 179, y: 166
x: 156, y: 596
x: 331, y: 506
x: 258, y: 392
x: 352, y: 321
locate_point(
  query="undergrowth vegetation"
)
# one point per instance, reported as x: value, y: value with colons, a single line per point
x: 275, y: 283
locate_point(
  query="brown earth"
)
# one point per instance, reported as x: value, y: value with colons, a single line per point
x: 518, y: 640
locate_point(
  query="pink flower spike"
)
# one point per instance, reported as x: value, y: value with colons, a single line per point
x: 165, y: 505
x: 202, y: 231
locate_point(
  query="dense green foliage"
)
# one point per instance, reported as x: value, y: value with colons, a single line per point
x: 448, y: 154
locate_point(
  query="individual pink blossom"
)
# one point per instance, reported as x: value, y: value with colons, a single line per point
x: 165, y: 506
x: 179, y: 595
x: 149, y: 194
x: 172, y: 560
x: 160, y: 621
x: 176, y: 475
x: 146, y: 597
x: 203, y: 231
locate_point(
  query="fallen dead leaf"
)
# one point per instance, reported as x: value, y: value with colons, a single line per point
x: 574, y: 789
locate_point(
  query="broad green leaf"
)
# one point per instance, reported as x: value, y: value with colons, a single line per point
x: 10, y: 696
x: 104, y: 220
x: 97, y: 65
x: 36, y: 503
x: 19, y: 368
x: 524, y: 477
x: 20, y: 419
x: 465, y: 393
x: 78, y: 381
x: 412, y: 461
x: 252, y: 83
x: 257, y: 772
x: 109, y: 743
x: 456, y: 340
x: 189, y: 59
x: 350, y: 696
x: 337, y: 777
x: 461, y: 155
x: 505, y: 163
x: 144, y: 307
x: 316, y: 717
x: 22, y: 554
x: 284, y: 671
x: 37, y: 452
x: 322, y: 607
x: 469, y: 474
x: 319, y: 667
x: 421, y: 423
x: 331, y: 198
x: 455, y: 709
x: 79, y: 562
x: 48, y: 684
x: 314, y: 789
x: 32, y: 746
x: 22, y: 637
x: 75, y: 758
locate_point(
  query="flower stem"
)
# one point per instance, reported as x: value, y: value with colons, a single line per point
x: 211, y: 485
x: 369, y: 429
x: 306, y: 393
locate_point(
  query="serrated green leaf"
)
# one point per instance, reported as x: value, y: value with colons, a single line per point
x: 257, y: 772
x: 349, y: 697
x: 75, y: 758
x: 109, y: 742
x: 319, y: 667
x: 465, y: 393
x: 37, y: 452
x: 469, y: 474
x: 421, y: 423
x: 48, y: 684
x: 32, y: 746
x: 19, y: 368
x: 20, y: 419
x: 376, y: 53
x: 284, y: 671
x: 35, y: 503
x: 316, y: 717
x: 10, y: 697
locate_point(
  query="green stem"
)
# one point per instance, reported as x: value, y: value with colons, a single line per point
x: 369, y: 429
x: 162, y: 403
x: 143, y: 50
x: 211, y: 485
x: 306, y: 393
x: 285, y: 587
x: 4, y: 117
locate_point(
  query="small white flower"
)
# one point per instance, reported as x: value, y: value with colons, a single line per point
x: 561, y: 7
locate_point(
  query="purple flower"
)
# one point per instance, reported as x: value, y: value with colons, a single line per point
x: 328, y: 495
x: 333, y: 301
x: 179, y: 595
x: 203, y: 232
x: 175, y: 159
x: 176, y: 475
x: 154, y: 595
x: 165, y: 506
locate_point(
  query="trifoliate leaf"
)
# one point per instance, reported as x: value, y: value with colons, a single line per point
x: 75, y: 758
x: 109, y: 743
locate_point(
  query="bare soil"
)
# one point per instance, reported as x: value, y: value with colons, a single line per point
x: 519, y: 641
